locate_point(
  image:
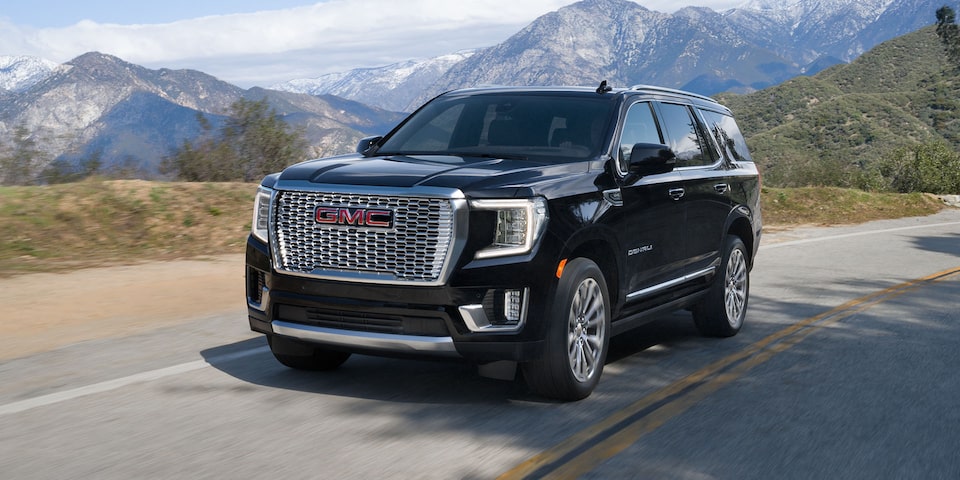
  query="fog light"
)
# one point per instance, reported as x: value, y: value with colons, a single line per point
x: 501, y: 311
x: 512, y: 306
x: 506, y: 308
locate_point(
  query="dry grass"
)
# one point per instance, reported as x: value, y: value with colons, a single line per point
x: 838, y: 206
x: 96, y: 222
x: 93, y: 223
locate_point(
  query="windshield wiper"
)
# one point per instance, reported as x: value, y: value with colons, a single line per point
x: 505, y: 156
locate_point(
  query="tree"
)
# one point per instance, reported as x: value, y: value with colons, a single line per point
x: 949, y: 33
x: 252, y: 142
x: 63, y: 171
x: 929, y: 168
x: 19, y: 165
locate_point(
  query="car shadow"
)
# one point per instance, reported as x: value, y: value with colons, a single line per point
x: 367, y: 377
x: 949, y: 244
x: 422, y: 381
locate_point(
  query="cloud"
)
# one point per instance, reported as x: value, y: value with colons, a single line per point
x: 269, y: 46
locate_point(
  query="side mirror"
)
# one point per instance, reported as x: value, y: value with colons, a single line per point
x: 651, y: 159
x: 367, y: 142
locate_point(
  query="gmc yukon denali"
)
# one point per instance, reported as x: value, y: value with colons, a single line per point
x: 510, y: 227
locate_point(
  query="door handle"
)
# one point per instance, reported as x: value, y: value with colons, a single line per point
x: 721, y: 188
x: 676, y: 193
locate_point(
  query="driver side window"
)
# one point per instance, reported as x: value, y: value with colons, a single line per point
x: 638, y: 127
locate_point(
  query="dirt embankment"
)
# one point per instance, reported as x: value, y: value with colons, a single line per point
x: 45, y: 311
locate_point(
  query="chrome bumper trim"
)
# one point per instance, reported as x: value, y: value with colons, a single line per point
x: 476, y: 318
x: 374, y: 341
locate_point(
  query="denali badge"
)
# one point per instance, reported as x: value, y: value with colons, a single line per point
x: 357, y: 217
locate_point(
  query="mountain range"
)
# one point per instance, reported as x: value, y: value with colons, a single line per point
x: 100, y: 105
x: 756, y: 45
x: 125, y: 114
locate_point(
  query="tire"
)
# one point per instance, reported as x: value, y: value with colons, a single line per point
x: 723, y: 309
x: 578, y: 336
x: 302, y: 356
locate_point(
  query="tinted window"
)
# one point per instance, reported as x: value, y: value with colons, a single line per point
x: 555, y: 126
x: 685, y: 136
x: 638, y: 127
x: 435, y: 134
x: 727, y: 134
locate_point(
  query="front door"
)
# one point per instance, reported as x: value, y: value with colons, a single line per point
x: 652, y: 218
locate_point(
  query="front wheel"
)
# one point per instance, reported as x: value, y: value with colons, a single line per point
x: 302, y: 356
x: 578, y: 335
x: 722, y: 310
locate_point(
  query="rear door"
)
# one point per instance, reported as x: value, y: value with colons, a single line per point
x: 705, y: 190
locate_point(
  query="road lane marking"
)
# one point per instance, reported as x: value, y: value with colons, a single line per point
x: 57, y: 397
x: 854, y: 234
x: 585, y: 450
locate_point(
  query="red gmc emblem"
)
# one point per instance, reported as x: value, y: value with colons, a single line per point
x: 357, y: 217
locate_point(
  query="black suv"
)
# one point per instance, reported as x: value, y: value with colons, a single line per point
x: 510, y: 226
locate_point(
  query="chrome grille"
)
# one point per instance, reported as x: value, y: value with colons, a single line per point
x: 413, y: 250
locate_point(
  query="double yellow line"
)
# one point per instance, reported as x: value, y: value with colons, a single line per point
x: 586, y: 449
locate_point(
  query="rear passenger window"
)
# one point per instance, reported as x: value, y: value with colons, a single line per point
x: 727, y: 134
x: 686, y: 137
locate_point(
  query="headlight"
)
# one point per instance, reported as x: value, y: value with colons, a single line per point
x: 261, y: 214
x: 520, y: 222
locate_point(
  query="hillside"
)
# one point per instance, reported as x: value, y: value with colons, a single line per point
x: 899, y: 94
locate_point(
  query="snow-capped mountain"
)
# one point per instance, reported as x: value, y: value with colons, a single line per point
x: 391, y: 87
x: 20, y: 72
x: 100, y: 105
x: 809, y: 29
x: 761, y: 43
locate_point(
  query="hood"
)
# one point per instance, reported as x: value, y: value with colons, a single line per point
x: 398, y: 171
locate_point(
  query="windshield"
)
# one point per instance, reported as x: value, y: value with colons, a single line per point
x: 511, y: 125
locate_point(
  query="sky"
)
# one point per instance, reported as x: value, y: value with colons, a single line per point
x: 264, y: 42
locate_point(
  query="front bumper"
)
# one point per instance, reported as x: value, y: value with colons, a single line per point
x: 394, y: 320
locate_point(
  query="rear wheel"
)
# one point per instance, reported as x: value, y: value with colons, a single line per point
x: 578, y: 335
x: 721, y: 312
x: 303, y: 356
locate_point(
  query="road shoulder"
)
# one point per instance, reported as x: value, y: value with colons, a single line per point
x: 52, y: 310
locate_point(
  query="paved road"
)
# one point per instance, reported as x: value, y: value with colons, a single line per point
x: 846, y: 368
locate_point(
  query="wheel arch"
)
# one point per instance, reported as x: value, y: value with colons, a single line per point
x: 741, y: 227
x: 601, y: 250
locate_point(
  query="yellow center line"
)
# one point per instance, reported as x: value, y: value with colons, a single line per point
x: 586, y: 449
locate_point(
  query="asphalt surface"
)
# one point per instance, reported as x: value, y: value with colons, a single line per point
x: 846, y: 368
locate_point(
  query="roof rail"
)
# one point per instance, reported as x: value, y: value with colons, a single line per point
x: 672, y: 90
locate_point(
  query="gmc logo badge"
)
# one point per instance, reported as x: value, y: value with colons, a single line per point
x: 356, y: 217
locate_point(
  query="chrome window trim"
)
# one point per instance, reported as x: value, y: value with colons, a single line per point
x: 694, y: 110
x: 618, y: 134
x: 677, y: 101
